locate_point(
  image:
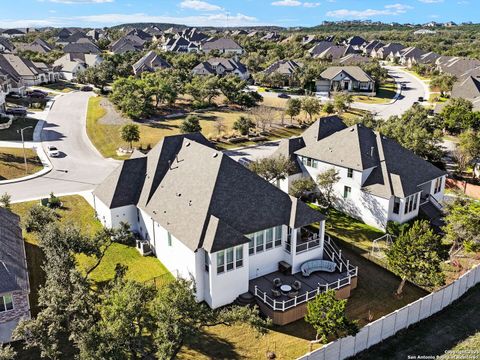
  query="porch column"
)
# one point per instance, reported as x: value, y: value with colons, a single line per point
x: 294, y: 241
x: 321, y: 235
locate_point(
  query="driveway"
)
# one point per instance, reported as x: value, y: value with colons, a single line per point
x: 80, y: 166
x: 253, y: 152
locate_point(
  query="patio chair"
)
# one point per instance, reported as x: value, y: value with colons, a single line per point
x: 297, y: 285
x: 277, y: 282
x: 292, y: 294
x: 276, y: 293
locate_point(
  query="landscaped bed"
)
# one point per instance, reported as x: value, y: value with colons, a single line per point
x: 12, y: 165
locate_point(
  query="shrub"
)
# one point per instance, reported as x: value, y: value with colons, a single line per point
x: 54, y: 202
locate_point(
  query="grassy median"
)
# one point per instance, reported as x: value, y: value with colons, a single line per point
x: 12, y: 165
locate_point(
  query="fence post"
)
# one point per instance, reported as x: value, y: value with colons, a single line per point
x: 338, y: 284
x: 264, y: 297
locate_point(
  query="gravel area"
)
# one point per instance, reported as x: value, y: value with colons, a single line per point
x: 112, y: 117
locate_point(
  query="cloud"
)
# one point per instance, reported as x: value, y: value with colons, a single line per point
x: 199, y: 5
x: 295, y: 3
x: 388, y: 10
x: 79, y: 1
x: 431, y: 1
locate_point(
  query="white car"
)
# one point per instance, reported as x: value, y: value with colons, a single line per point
x: 53, y: 151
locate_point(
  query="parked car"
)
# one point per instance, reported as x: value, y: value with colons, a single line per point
x: 14, y: 96
x: 37, y: 95
x: 283, y: 96
x: 421, y: 99
x: 16, y: 111
x: 86, y: 88
x: 53, y: 151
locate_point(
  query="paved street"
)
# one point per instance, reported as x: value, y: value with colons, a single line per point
x: 415, y: 88
x: 80, y: 167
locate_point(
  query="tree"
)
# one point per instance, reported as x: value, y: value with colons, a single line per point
x: 248, y: 99
x: 414, y: 255
x: 39, y: 217
x: 469, y: 145
x: 341, y: 102
x: 191, y: 124
x: 327, y: 316
x: 328, y: 107
x: 273, y: 168
x: 416, y: 132
x: 100, y: 75
x: 302, y: 187
x: 311, y: 106
x: 458, y: 116
x: 7, y: 353
x: 132, y: 96
x: 462, y: 225
x: 462, y: 158
x: 326, y: 182
x: 294, y: 107
x: 444, y: 82
x: 203, y: 89
x: 130, y: 133
x: 263, y: 116
x: 5, y: 200
x: 181, y: 319
x: 367, y: 120
x: 231, y: 87
x: 243, y: 124
x: 164, y: 85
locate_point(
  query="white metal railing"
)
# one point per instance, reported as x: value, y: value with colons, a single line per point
x: 312, y: 243
x: 335, y: 254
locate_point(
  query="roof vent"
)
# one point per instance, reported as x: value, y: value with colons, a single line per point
x: 371, y: 151
x: 352, y: 129
x: 187, y: 144
x: 215, y: 155
x: 179, y: 194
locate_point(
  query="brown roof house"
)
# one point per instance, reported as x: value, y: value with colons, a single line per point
x: 345, y: 78
x: 14, y: 285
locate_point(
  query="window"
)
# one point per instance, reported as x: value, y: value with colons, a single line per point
x: 310, y: 162
x: 259, y: 237
x: 207, y: 262
x: 396, y: 205
x: 6, y: 303
x: 269, y: 239
x: 229, y: 259
x: 411, y: 203
x: 350, y: 173
x: 251, y: 244
x: 438, y: 186
x: 169, y: 239
x: 278, y: 236
x: 239, y: 256
x: 347, y: 191
x: 220, y: 262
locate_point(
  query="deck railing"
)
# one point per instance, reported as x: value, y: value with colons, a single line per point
x: 312, y: 243
x: 335, y: 255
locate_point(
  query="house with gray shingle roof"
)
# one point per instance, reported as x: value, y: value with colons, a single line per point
x: 206, y: 216
x: 151, y: 62
x: 19, y: 68
x: 222, y: 45
x: 14, y: 285
x: 221, y: 67
x: 345, y: 78
x: 6, y: 45
x: 380, y: 181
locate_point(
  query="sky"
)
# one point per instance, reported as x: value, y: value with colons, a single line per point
x: 288, y: 13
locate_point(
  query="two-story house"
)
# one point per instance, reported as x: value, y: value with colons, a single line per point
x: 221, y: 67
x: 14, y: 285
x: 207, y: 217
x: 380, y: 180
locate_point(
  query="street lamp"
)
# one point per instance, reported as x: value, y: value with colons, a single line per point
x: 23, y: 145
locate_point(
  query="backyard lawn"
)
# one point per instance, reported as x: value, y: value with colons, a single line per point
x: 78, y: 212
x: 12, y: 164
x: 13, y: 134
x: 455, y: 328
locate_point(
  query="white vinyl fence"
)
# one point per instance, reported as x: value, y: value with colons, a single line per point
x: 390, y: 324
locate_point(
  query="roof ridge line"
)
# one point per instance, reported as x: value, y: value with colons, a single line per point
x: 383, y: 163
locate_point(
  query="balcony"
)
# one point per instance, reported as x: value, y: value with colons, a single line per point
x: 308, y: 240
x: 285, y: 307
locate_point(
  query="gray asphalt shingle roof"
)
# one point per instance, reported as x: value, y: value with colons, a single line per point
x: 13, y: 268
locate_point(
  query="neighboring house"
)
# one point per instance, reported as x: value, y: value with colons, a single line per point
x: 356, y: 41
x: 96, y: 34
x: 353, y: 59
x: 222, y: 45
x: 424, y: 32
x: 13, y: 33
x: 410, y: 56
x: 14, y: 285
x: 141, y: 34
x: 24, y: 69
x: 380, y: 181
x: 6, y: 45
x: 456, y: 66
x: 208, y: 218
x: 469, y: 89
x: 4, y: 90
x: 75, y: 37
x: 345, y: 78
x: 288, y: 69
x: 271, y: 36
x: 222, y: 66
x: 81, y: 48
x: 335, y: 52
x: 63, y: 35
x: 371, y: 46
x: 319, y: 48
x: 125, y: 44
x: 11, y: 83
x: 180, y: 45
x: 151, y: 62
x: 386, y: 51
x: 38, y: 45
x: 70, y: 65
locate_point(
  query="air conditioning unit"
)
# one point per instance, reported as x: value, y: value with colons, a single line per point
x: 143, y: 247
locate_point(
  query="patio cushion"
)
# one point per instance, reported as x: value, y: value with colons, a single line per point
x: 311, y: 266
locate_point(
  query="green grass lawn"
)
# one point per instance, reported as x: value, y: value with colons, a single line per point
x: 456, y: 327
x: 385, y: 94
x: 78, y: 212
x: 11, y: 133
x: 12, y: 164
x: 62, y: 86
